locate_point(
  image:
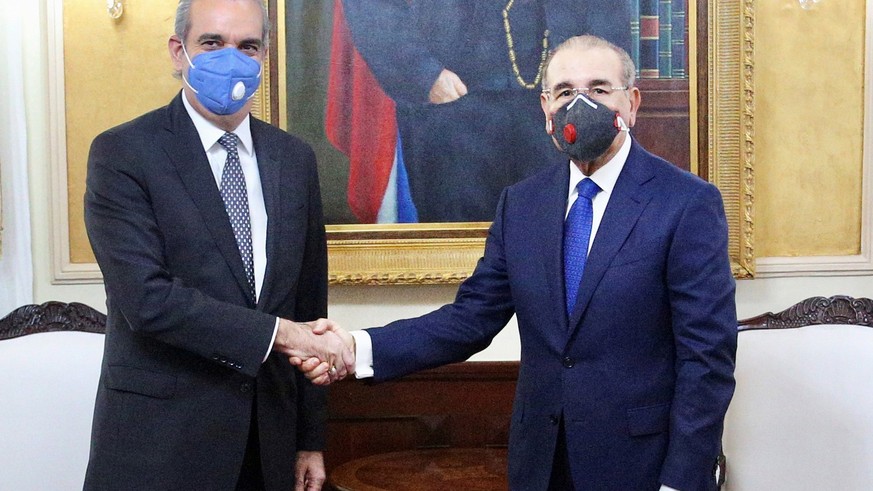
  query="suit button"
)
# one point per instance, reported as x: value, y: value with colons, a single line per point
x: 553, y: 419
x: 568, y: 362
x: 245, y: 388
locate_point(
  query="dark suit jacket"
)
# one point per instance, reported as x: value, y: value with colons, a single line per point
x: 184, y: 340
x: 642, y: 371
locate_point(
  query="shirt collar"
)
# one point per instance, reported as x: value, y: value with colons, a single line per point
x: 606, y: 176
x: 209, y: 133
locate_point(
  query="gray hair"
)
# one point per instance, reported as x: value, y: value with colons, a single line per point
x: 588, y: 41
x: 183, y: 21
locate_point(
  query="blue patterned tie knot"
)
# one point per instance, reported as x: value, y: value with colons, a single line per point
x: 577, y: 232
x: 228, y: 141
x: 236, y: 202
x: 587, y: 188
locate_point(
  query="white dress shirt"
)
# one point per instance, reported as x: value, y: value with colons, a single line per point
x: 605, y: 177
x: 217, y: 155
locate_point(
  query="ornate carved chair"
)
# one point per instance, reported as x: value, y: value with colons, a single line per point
x: 47, y: 387
x: 802, y: 415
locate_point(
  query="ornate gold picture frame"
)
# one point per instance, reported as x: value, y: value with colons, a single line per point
x: 721, y: 148
x: 721, y: 109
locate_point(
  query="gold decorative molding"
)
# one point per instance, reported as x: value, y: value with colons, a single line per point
x: 731, y: 109
x: 430, y: 253
x: 261, y: 99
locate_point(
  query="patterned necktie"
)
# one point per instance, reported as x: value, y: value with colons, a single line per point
x: 577, y: 232
x: 236, y: 202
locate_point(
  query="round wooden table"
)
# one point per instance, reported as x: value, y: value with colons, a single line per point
x: 470, y: 469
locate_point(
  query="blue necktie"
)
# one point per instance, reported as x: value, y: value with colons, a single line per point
x: 577, y: 232
x: 236, y: 201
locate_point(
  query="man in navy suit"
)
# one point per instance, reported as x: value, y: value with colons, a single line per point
x: 627, y: 389
x: 463, y: 74
x: 207, y: 226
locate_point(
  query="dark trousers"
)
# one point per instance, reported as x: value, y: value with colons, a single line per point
x: 251, y: 477
x: 561, y: 479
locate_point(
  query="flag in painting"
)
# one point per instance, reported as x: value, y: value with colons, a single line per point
x: 360, y: 121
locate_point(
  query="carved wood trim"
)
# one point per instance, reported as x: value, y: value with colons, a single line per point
x: 839, y: 309
x: 52, y: 316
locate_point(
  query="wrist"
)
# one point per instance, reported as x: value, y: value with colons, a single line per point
x: 287, y: 336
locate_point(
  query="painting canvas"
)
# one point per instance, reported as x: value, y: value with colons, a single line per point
x: 420, y: 113
x: 425, y: 111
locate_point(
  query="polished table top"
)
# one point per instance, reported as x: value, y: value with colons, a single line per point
x: 469, y: 469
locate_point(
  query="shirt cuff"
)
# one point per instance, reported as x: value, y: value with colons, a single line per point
x: 363, y: 354
x: 272, y: 340
x: 667, y: 488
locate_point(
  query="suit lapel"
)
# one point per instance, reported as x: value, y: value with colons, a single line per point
x: 553, y: 206
x: 629, y: 199
x: 182, y: 145
x: 271, y: 180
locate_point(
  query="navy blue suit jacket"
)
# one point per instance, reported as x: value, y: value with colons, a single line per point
x: 642, y: 370
x: 185, y: 338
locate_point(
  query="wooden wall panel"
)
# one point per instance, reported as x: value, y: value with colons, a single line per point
x: 462, y: 405
x: 664, y: 110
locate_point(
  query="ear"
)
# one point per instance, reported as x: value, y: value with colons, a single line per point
x: 544, y: 104
x: 174, y: 46
x: 635, y: 98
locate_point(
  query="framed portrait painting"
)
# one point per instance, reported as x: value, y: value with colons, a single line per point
x: 420, y: 113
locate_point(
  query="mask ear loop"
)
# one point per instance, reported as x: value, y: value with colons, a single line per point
x: 192, y: 66
x: 620, y: 124
x: 260, y: 72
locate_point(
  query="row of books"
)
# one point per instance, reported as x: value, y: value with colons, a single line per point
x: 659, y: 38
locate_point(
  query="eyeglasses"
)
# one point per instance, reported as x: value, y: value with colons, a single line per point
x: 566, y: 94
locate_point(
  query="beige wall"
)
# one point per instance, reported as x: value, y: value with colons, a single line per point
x: 809, y: 76
x: 364, y: 306
x: 114, y: 70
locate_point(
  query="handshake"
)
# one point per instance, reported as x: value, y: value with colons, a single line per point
x: 321, y: 349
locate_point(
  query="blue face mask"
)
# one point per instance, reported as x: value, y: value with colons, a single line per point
x: 223, y: 79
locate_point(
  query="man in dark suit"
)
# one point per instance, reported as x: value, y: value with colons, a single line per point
x: 207, y: 226
x: 625, y: 387
x: 462, y: 74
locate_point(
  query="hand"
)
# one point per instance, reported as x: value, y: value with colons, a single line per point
x: 318, y: 372
x: 309, y: 471
x: 315, y: 340
x: 448, y: 87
